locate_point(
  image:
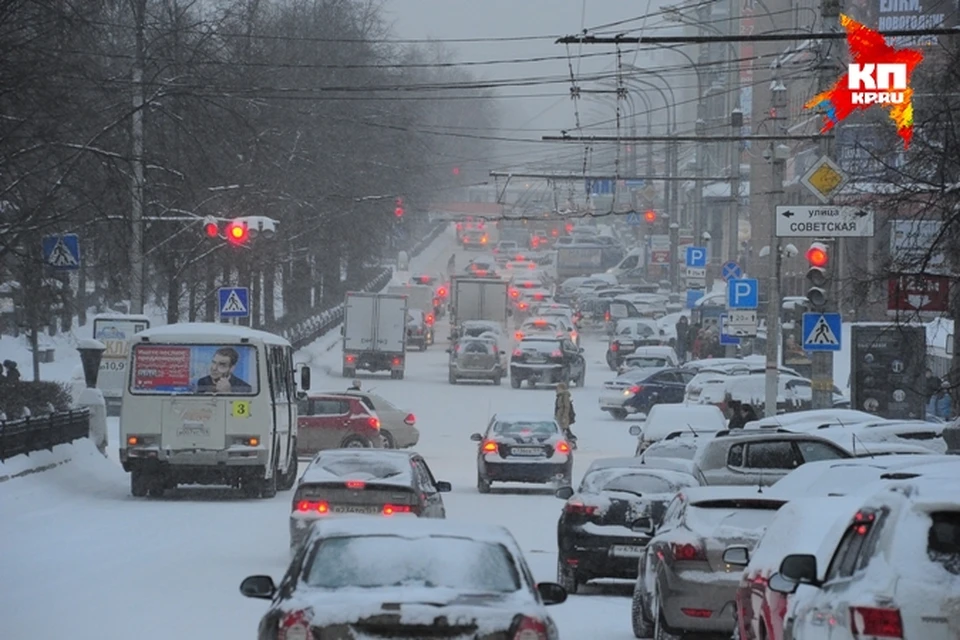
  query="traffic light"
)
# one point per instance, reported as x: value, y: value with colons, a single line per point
x: 211, y: 227
x: 237, y: 232
x: 398, y: 210
x: 650, y: 216
x: 818, y: 257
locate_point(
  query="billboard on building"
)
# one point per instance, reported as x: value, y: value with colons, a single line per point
x: 886, y: 370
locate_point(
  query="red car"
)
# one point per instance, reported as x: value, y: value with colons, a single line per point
x: 329, y: 421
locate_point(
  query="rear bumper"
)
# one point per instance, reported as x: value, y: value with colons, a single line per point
x: 531, y: 472
x: 593, y: 556
x: 158, y: 456
x: 544, y: 372
x: 476, y: 374
x: 373, y: 361
x: 699, y: 590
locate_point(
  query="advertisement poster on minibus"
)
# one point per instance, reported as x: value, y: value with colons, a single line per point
x: 195, y: 369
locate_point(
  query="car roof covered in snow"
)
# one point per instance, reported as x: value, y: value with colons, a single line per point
x: 670, y: 475
x: 746, y: 492
x: 206, y: 333
x: 414, y: 528
x: 368, y: 465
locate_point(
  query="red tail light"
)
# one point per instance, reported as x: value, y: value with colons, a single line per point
x: 540, y: 323
x: 697, y: 613
x: 517, y: 352
x: 519, y: 258
x: 538, y: 296
x: 522, y: 306
x: 580, y: 509
x: 397, y: 362
x: 569, y: 228
x: 531, y: 266
x: 614, y: 347
x: 490, y: 446
x: 373, y: 422
x: 308, y: 506
x: 442, y: 292
x: 563, y: 447
x: 606, y: 316
x: 459, y: 226
x: 390, y: 509
x: 356, y: 484
x: 294, y: 626
x: 514, y: 293
x: 518, y: 335
x: 635, y: 389
x: 430, y: 320
x: 876, y: 623
x: 530, y: 629
x: 351, y: 358
x: 687, y: 552
x: 556, y: 354
x: 410, y: 419
x: 555, y: 232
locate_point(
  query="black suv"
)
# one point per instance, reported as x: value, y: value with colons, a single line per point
x: 547, y: 361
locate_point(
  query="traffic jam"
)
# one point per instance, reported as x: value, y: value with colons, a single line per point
x: 803, y: 525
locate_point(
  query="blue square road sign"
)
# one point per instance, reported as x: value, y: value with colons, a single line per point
x: 696, y: 257
x: 822, y: 331
x: 234, y: 302
x: 61, y: 252
x: 743, y: 293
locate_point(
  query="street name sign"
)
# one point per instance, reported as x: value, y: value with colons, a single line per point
x: 824, y: 222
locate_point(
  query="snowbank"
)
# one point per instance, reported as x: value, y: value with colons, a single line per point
x: 80, y: 451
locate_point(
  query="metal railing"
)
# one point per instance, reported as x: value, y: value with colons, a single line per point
x: 26, y: 435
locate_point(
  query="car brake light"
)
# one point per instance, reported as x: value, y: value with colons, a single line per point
x: 540, y: 323
x: 410, y: 419
x: 530, y: 628
x: 580, y: 509
x: 614, y: 347
x: 390, y: 509
x: 397, y: 361
x: 356, y: 484
x: 556, y: 354
x: 518, y: 335
x: 306, y: 506
x: 294, y: 626
x: 635, y: 389
x: 531, y: 266
x: 563, y: 447
x: 514, y: 293
x: 606, y: 316
x: 442, y: 292
x: 522, y: 306
x: 483, y: 240
x: 517, y: 352
x: 459, y: 226
x: 373, y: 422
x: 351, y: 358
x: 697, y: 613
x: 876, y: 623
x: 686, y: 552
x: 555, y: 232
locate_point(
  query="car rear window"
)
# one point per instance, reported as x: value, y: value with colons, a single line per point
x: 647, y: 362
x: 626, y: 480
x: 478, y: 346
x: 943, y: 541
x: 540, y: 427
x: 748, y: 515
x: 342, y: 465
x: 372, y: 562
x: 542, y: 346
x: 683, y: 449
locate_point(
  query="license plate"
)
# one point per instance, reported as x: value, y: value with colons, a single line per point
x: 354, y: 509
x: 193, y: 429
x: 536, y: 360
x: 627, y: 550
x: 526, y: 451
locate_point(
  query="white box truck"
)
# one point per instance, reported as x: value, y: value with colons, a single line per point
x: 374, y: 333
x: 478, y: 299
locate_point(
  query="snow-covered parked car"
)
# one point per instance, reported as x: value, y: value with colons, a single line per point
x: 894, y: 573
x: 665, y: 419
x: 380, y: 577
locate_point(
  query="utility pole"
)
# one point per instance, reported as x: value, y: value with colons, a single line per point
x: 821, y: 378
x: 778, y: 156
x: 137, y: 175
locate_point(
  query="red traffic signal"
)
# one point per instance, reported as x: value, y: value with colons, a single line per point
x: 817, y: 255
x: 211, y: 227
x: 650, y: 216
x: 398, y: 212
x: 237, y: 232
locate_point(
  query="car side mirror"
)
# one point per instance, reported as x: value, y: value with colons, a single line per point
x: 781, y: 585
x: 800, y: 568
x: 737, y: 556
x: 551, y: 593
x: 644, y: 525
x: 476, y: 437
x: 449, y: 350
x: 258, y: 587
x: 444, y: 487
x: 564, y: 493
x: 636, y: 430
x: 305, y: 378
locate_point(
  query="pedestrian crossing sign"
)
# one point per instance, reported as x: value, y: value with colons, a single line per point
x: 822, y: 331
x: 234, y: 302
x: 62, y: 252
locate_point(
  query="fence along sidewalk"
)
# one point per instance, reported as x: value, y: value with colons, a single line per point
x: 27, y: 435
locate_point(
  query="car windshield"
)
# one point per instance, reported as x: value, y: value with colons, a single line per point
x: 629, y: 480
x: 646, y: 362
x: 371, y: 562
x: 376, y: 467
x: 541, y: 427
x: 477, y: 346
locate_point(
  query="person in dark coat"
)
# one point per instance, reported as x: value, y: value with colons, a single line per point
x: 563, y: 412
x: 13, y: 374
x: 749, y: 415
x: 683, y: 335
x: 736, y: 415
x: 932, y: 384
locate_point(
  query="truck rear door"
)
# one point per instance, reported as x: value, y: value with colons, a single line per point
x: 495, y: 302
x: 391, y: 324
x: 359, y: 323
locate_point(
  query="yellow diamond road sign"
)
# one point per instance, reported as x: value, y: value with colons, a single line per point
x: 824, y: 179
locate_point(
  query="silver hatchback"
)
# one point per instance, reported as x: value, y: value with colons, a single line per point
x: 475, y: 359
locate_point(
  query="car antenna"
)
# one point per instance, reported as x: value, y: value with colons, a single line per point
x: 856, y: 439
x: 689, y: 426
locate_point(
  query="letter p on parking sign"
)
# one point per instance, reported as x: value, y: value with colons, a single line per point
x: 742, y: 293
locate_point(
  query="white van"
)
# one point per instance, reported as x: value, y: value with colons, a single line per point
x: 209, y: 403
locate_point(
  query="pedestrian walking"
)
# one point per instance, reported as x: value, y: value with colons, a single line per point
x: 564, y: 414
x: 736, y: 415
x: 683, y: 335
x: 13, y: 374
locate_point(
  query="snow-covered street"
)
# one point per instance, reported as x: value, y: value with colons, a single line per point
x: 84, y: 559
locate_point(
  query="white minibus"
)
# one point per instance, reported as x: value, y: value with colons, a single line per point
x: 212, y: 404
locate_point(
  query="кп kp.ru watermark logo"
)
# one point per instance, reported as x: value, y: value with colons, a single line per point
x: 877, y: 83
x: 878, y: 75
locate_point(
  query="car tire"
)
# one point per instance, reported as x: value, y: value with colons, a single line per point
x: 642, y: 626
x: 268, y: 486
x: 388, y: 441
x: 515, y: 382
x: 452, y: 378
x: 497, y: 380
x: 567, y: 578
x: 483, y: 486
x: 619, y: 414
x: 139, y: 484
x: 288, y: 479
x: 581, y: 379
x: 423, y: 346
x: 349, y: 373
x: 611, y: 362
x: 355, y: 442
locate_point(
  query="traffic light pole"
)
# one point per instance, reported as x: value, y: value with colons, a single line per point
x: 771, y: 381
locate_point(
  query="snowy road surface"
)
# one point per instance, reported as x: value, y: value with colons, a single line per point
x: 83, y: 559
